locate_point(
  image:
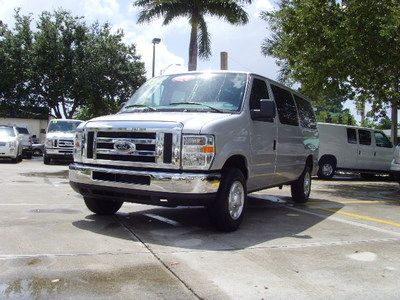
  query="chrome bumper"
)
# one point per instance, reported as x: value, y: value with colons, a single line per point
x: 59, y: 151
x: 160, y: 182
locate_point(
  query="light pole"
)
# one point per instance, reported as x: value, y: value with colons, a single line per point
x: 155, y: 41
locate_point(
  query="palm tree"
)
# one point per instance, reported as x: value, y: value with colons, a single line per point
x: 195, y: 10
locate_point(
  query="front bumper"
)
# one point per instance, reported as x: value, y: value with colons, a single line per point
x: 57, y: 152
x: 6, y: 152
x: 395, y: 170
x: 144, y: 186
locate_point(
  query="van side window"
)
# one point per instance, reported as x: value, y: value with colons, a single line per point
x: 381, y: 140
x: 259, y: 91
x: 306, y: 113
x: 351, y: 136
x: 364, y: 136
x: 285, y: 106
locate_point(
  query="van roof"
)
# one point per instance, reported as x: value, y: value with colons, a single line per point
x: 348, y: 126
x: 66, y: 120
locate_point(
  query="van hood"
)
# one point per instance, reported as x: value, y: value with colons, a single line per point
x: 60, y: 135
x: 7, y: 139
x: 192, y: 122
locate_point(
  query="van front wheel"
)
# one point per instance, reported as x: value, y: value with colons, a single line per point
x: 102, y: 207
x: 302, y: 187
x: 230, y: 204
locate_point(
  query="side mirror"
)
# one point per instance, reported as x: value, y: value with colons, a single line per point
x: 43, y: 131
x: 266, y: 113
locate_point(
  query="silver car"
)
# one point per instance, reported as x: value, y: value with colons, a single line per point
x: 10, y: 143
x: 198, y: 138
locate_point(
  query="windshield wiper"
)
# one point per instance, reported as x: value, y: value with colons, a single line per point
x: 140, y: 105
x: 197, y: 103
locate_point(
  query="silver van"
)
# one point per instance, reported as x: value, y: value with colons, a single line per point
x: 198, y: 138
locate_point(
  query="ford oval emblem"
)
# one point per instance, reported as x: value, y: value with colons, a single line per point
x: 124, y: 146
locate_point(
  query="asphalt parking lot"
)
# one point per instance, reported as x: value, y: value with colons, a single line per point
x: 344, y: 244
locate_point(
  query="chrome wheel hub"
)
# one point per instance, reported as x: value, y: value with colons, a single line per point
x: 236, y: 200
x: 327, y: 169
x: 307, y: 183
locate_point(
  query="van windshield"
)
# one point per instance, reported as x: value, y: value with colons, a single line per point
x: 22, y: 130
x: 211, y: 92
x: 7, y: 132
x: 63, y: 126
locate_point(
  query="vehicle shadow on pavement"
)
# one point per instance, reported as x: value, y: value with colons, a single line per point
x: 367, y: 191
x: 190, y: 228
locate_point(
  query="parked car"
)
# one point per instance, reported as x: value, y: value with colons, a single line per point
x: 38, y: 149
x: 26, y: 141
x: 198, y: 138
x: 395, y: 165
x: 59, y: 142
x: 351, y: 148
x: 10, y: 143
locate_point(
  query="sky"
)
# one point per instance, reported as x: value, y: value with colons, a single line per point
x: 243, y: 43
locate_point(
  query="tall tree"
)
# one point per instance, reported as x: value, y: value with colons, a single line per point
x: 67, y: 66
x: 195, y: 11
x: 339, y: 49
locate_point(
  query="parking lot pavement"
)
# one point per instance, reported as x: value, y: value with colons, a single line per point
x: 344, y: 243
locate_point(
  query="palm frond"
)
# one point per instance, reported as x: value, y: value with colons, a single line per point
x: 229, y: 10
x: 204, y: 42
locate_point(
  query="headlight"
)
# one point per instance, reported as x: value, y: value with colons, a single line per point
x: 48, y: 143
x: 78, y: 146
x: 198, y: 151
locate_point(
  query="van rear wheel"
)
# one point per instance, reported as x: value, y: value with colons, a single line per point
x: 327, y: 168
x: 302, y: 187
x: 101, y: 206
x: 228, y: 210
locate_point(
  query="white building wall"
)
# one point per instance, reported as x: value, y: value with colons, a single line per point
x: 34, y: 126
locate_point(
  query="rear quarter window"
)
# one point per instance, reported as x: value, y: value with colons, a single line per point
x: 285, y: 105
x: 306, y: 113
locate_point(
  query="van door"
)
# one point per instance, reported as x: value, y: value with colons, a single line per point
x: 290, y: 150
x: 348, y: 158
x: 383, y: 154
x: 262, y: 140
x: 366, y: 149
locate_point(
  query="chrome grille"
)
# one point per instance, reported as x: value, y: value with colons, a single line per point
x: 130, y: 145
x: 65, y: 143
x: 142, y: 146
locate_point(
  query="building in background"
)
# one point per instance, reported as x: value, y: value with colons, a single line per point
x: 33, y: 118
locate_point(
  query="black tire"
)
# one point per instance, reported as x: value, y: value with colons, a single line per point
x: 46, y: 160
x: 37, y: 152
x: 233, y: 181
x: 101, y: 206
x: 15, y: 160
x: 29, y: 155
x: 367, y: 176
x: 301, y: 189
x: 327, y: 168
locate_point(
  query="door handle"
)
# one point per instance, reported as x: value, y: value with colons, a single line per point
x: 359, y: 152
x: 374, y: 153
x: 274, y: 147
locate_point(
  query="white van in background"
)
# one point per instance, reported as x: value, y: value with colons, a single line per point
x: 395, y: 166
x: 351, y: 148
x: 59, y: 142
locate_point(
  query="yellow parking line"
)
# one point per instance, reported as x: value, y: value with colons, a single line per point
x: 353, y: 202
x: 362, y: 217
